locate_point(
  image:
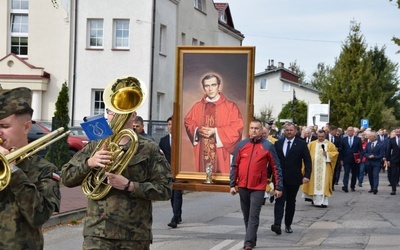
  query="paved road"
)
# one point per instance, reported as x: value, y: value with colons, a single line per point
x: 354, y: 220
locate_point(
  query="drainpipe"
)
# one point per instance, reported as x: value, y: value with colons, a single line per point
x: 149, y: 126
x: 152, y: 63
x: 74, y: 60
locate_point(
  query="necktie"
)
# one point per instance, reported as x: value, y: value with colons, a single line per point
x: 287, y: 148
x: 373, y: 145
x: 332, y: 139
x: 351, y: 141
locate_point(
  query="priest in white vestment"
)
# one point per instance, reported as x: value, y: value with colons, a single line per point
x: 324, y: 156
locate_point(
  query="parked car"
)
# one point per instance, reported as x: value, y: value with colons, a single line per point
x: 40, y: 129
x: 77, y: 130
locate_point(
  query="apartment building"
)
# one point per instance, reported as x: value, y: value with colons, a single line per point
x: 87, y: 44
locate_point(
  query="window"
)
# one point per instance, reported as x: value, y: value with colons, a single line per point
x: 286, y: 87
x: 263, y: 83
x: 95, y: 33
x: 183, y: 37
x: 99, y: 106
x: 200, y: 5
x: 19, y: 27
x: 121, y: 34
x: 223, y: 17
x: 20, y: 4
x: 159, y: 104
x: 163, y: 39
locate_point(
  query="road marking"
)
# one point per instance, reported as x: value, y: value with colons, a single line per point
x: 238, y: 246
x: 222, y: 244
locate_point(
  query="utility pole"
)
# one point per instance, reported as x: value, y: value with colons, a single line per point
x: 294, y: 101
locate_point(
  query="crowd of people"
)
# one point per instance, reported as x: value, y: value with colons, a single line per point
x: 309, y: 158
x: 363, y: 153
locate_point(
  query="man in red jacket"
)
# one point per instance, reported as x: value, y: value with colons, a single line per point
x: 249, y: 170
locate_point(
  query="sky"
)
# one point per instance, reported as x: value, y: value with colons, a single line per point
x: 312, y: 31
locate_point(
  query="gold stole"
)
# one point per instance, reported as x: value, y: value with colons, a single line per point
x: 208, y: 147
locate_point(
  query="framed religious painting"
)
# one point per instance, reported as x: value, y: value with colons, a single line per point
x: 213, y: 107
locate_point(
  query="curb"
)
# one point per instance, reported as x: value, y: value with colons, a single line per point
x: 65, y: 217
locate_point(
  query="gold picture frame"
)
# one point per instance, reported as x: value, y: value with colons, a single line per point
x: 231, y: 69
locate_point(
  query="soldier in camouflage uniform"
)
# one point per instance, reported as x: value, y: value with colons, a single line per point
x: 33, y: 193
x: 123, y: 218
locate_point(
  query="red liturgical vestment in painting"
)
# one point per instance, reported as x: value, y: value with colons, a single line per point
x: 224, y: 115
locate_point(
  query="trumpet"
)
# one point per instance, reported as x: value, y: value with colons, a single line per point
x: 25, y: 152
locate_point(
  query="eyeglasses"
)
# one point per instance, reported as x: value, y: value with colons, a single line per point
x: 109, y: 112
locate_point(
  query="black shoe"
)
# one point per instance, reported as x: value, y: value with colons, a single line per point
x: 276, y: 229
x: 179, y: 220
x: 173, y: 224
x: 288, y: 230
x: 336, y: 183
x: 308, y: 199
x: 370, y: 191
x: 353, y: 189
x: 323, y: 206
x: 375, y: 191
x: 271, y: 199
x: 360, y: 184
x: 393, y: 193
x: 345, y: 189
x: 389, y: 185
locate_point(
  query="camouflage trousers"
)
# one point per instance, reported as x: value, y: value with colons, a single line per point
x: 95, y: 243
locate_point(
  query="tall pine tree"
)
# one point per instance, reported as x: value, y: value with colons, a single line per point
x: 351, y: 87
x: 59, y: 154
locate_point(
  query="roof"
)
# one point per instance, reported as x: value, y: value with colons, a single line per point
x: 223, y: 8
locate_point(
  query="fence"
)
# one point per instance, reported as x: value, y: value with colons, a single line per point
x: 156, y: 129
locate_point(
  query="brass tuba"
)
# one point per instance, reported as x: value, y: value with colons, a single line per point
x: 122, y: 96
x: 25, y: 152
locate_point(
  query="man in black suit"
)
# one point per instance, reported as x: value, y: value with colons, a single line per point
x: 393, y: 159
x: 336, y: 140
x: 176, y: 197
x: 349, y: 154
x: 308, y: 137
x: 292, y: 153
x: 374, y: 152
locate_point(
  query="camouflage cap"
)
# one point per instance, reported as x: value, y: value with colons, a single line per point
x: 14, y: 101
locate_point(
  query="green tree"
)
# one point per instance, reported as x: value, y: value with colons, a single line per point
x: 298, y: 114
x: 301, y: 73
x: 390, y: 121
x: 385, y: 72
x: 395, y: 39
x: 351, y: 87
x: 59, y: 153
x: 319, y: 77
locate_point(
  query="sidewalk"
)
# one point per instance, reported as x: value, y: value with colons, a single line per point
x: 73, y: 206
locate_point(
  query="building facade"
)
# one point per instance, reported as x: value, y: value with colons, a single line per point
x: 152, y: 31
x: 88, y: 44
x: 274, y: 88
x: 35, y: 50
